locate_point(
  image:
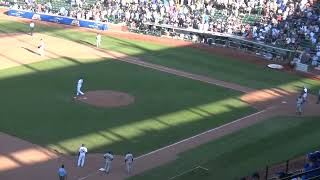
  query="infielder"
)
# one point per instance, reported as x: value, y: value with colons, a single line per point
x: 128, y: 160
x: 41, y: 47
x: 305, y: 94
x: 305, y: 90
x: 109, y: 158
x: 31, y: 27
x: 98, y: 40
x: 79, y: 86
x: 82, y: 155
x: 299, y: 105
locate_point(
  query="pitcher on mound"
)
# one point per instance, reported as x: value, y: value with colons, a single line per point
x: 79, y: 86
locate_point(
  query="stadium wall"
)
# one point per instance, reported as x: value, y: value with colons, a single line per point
x: 58, y: 19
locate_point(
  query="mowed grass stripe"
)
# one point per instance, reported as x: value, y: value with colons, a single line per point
x: 243, y: 152
x: 40, y: 108
x: 187, y: 59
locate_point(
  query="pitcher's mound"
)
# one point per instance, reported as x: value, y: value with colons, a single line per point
x: 106, y: 98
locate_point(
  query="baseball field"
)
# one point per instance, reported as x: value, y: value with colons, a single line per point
x: 184, y: 111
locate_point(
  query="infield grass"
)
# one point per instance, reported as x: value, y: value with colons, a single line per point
x: 244, y: 152
x: 183, y: 58
x: 39, y: 106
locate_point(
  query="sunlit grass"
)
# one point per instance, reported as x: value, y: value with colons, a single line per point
x: 245, y: 151
x: 135, y: 129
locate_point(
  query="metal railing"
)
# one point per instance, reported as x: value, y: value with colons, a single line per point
x: 303, y: 174
x: 226, y: 40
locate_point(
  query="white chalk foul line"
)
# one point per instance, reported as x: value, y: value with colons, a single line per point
x: 184, y: 140
x: 91, y: 174
x: 187, y: 171
x: 200, y: 167
x: 211, y: 130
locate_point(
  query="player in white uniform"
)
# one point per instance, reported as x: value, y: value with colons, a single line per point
x: 31, y: 27
x: 41, y: 47
x: 79, y: 86
x: 128, y: 159
x: 109, y: 158
x: 98, y: 40
x: 305, y: 94
x: 82, y: 155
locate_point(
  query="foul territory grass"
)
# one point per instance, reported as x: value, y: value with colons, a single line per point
x: 39, y: 106
x: 243, y: 152
x: 191, y: 60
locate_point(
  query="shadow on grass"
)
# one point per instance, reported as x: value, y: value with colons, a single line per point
x: 41, y: 99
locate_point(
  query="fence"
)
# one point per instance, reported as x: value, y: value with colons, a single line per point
x: 281, y: 55
x: 271, y: 172
x: 58, y: 19
x: 309, y: 175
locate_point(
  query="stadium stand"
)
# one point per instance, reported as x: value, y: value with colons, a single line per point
x: 286, y: 24
x: 301, y: 168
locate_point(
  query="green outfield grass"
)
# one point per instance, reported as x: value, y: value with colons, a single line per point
x: 39, y: 106
x: 183, y: 58
x: 243, y: 152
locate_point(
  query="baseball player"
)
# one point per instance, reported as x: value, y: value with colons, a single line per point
x: 299, y: 105
x: 31, y: 25
x: 305, y: 94
x: 82, y: 155
x: 128, y: 160
x: 305, y: 90
x: 98, y: 40
x: 41, y: 47
x: 79, y: 86
x: 109, y: 158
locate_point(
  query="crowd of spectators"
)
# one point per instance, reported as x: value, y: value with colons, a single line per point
x: 292, y: 24
x: 314, y: 163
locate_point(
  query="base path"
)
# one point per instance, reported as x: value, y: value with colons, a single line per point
x: 20, y: 159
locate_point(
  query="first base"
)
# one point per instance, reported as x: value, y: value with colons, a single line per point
x: 102, y: 169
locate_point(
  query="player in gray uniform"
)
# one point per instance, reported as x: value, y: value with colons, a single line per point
x: 109, y: 158
x: 41, y: 47
x: 300, y: 101
x: 98, y: 40
x: 128, y: 159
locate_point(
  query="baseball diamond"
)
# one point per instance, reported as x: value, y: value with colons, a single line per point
x: 93, y: 104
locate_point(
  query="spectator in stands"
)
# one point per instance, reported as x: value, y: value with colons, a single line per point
x: 255, y: 176
x: 291, y: 24
x: 295, y: 60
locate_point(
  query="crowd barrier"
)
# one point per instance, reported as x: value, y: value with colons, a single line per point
x: 232, y: 41
x: 58, y: 19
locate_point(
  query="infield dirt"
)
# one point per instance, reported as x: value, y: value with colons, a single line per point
x: 22, y: 51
